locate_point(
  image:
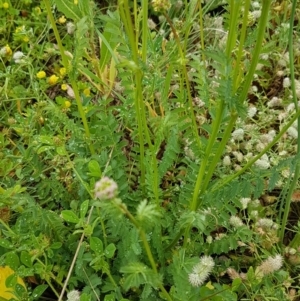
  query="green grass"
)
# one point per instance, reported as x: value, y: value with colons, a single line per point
x: 149, y: 150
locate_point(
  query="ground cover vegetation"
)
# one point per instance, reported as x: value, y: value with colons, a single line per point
x: 149, y: 150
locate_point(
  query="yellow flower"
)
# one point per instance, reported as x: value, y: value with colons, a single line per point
x: 62, y: 71
x: 62, y: 20
x: 5, y: 51
x: 64, y: 87
x: 75, y: 2
x: 87, y: 92
x: 53, y: 79
x: 7, y: 292
x: 26, y: 39
x: 41, y: 74
x: 5, y: 5
x: 67, y: 104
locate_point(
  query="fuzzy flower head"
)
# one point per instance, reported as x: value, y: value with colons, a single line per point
x: 52, y: 80
x: 161, y: 5
x: 201, y: 271
x: 235, y: 221
x: 41, y: 74
x: 73, y: 296
x: 238, y: 134
x: 271, y: 265
x: 106, y: 189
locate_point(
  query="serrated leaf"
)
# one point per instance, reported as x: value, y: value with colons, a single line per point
x: 110, y: 297
x: 96, y: 245
x: 70, y: 216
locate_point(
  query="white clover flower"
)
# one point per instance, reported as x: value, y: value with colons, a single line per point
x: 286, y: 82
x: 239, y: 156
x: 17, y: 57
x: 271, y: 265
x: 256, y: 14
x: 238, y: 134
x: 264, y: 56
x: 73, y: 295
x: 292, y: 132
x: 252, y: 111
x: 262, y: 164
x: 254, y: 214
x: 256, y: 4
x: 70, y: 28
x: 226, y: 161
x: 106, y: 189
x: 265, y: 223
x: 151, y: 24
x: 260, y: 146
x: 201, y: 271
x: 235, y: 221
x: 245, y: 202
x: 274, y: 102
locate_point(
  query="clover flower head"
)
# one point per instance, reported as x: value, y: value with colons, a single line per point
x: 17, y: 57
x: 5, y: 51
x: 161, y: 5
x: 245, y: 202
x: 235, y: 221
x: 226, y: 161
x: 70, y: 28
x: 252, y: 111
x: 238, y: 134
x: 286, y: 82
x: 73, y: 295
x: 106, y: 189
x: 201, y: 271
x: 292, y: 132
x: 271, y: 265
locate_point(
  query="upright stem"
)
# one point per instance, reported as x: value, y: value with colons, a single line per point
x: 72, y: 79
x: 297, y: 169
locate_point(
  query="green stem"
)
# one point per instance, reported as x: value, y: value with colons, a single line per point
x: 219, y: 152
x: 293, y: 87
x: 187, y: 82
x: 208, y: 152
x: 259, y: 40
x: 146, y: 245
x: 72, y: 80
x: 237, y: 70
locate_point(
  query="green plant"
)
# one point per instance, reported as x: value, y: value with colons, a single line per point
x: 177, y: 121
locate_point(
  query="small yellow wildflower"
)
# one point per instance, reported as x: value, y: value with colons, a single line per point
x: 62, y: 20
x: 67, y: 104
x: 5, y: 5
x: 75, y: 2
x: 25, y: 39
x: 5, y: 51
x: 41, y: 74
x: 53, y: 79
x: 63, y: 71
x: 87, y: 92
x: 64, y: 87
